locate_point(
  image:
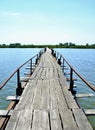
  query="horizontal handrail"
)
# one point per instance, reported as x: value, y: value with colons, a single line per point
x: 71, y: 67
x: 20, y: 88
x: 6, y: 81
x: 87, y: 83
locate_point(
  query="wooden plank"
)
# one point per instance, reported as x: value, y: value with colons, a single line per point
x: 71, y: 103
x: 81, y: 120
x: 55, y: 120
x: 40, y: 120
x: 28, y: 68
x: 23, y: 84
x: 53, y: 98
x: 37, y: 95
x: 58, y: 90
x: 89, y: 111
x: 68, y: 121
x: 13, y: 98
x: 67, y: 73
x: 65, y: 68
x: 46, y: 103
x: 25, y: 119
x: 61, y: 102
x: 24, y: 79
x: 27, y: 95
x: 75, y: 86
x: 84, y: 95
x: 13, y: 121
x: 27, y: 73
x: 5, y: 113
x: 74, y: 79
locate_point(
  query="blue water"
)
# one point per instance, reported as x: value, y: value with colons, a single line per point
x: 10, y: 60
x: 83, y: 60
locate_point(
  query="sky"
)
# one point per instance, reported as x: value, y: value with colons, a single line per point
x: 47, y: 21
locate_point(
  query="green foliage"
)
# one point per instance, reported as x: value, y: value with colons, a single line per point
x: 60, y: 45
x: 16, y: 45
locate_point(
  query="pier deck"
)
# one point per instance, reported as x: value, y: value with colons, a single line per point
x: 46, y: 102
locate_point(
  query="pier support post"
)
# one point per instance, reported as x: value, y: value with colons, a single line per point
x: 52, y: 52
x: 45, y: 49
x: 57, y: 55
x: 59, y: 61
x: 36, y: 59
x: 19, y: 89
x: 71, y: 80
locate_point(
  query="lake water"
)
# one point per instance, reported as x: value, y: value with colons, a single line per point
x: 83, y: 60
x: 10, y: 60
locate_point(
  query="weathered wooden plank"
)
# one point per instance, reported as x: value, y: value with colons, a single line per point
x: 40, y: 120
x: 13, y: 98
x: 68, y: 121
x: 55, y: 120
x: 53, y: 97
x: 24, y: 79
x: 5, y: 113
x: 71, y: 103
x: 37, y: 95
x: 25, y: 119
x: 46, y: 103
x: 28, y: 68
x: 27, y: 95
x: 74, y: 79
x: 84, y: 95
x: 13, y: 121
x: 37, y: 70
x: 27, y: 73
x: 65, y: 68
x: 61, y: 99
x: 89, y: 111
x: 81, y: 120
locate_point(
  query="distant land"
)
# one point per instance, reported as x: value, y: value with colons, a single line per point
x: 60, y: 45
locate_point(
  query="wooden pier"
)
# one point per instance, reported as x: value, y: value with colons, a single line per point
x: 46, y: 102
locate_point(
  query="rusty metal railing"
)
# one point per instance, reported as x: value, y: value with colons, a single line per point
x: 62, y: 60
x: 17, y: 71
x: 19, y: 89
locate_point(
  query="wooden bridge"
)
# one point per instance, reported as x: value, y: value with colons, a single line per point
x: 46, y: 102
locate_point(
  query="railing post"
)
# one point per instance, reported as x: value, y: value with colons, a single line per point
x: 36, y: 59
x: 59, y: 61
x: 19, y: 88
x: 39, y: 54
x: 57, y: 55
x: 71, y: 80
x: 45, y: 49
x: 52, y: 52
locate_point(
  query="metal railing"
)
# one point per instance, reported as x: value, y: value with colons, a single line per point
x: 32, y: 62
x: 19, y: 89
x: 63, y: 61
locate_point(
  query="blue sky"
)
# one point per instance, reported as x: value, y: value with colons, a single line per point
x: 47, y: 21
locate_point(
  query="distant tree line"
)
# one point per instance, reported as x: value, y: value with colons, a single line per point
x: 60, y: 45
